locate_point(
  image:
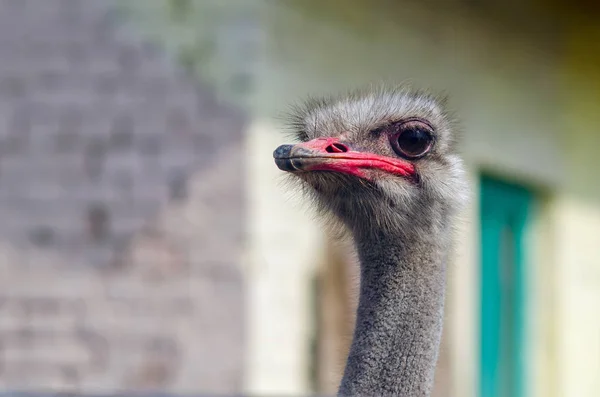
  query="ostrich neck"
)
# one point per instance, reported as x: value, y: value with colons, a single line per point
x: 399, y: 318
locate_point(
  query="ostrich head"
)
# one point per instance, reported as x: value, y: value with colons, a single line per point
x: 378, y: 160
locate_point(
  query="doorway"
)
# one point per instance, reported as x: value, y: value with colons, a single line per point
x: 505, y: 214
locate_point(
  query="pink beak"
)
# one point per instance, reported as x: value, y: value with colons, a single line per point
x: 330, y: 154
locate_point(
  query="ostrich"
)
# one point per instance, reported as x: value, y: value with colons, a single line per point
x: 383, y: 165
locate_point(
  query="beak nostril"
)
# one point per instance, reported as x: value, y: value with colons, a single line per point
x: 336, y: 148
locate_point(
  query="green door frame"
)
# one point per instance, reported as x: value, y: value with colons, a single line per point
x: 505, y: 209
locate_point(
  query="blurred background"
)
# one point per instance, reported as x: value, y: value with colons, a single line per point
x: 148, y: 245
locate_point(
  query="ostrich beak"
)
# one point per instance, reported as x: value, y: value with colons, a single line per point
x: 329, y: 154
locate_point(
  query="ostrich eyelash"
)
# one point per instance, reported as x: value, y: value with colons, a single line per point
x: 377, y: 131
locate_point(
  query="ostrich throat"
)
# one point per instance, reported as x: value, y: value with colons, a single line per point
x: 400, y: 312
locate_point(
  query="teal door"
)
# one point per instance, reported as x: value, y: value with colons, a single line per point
x: 504, y: 214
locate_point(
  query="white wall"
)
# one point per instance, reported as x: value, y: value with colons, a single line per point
x: 285, y: 245
x: 501, y: 88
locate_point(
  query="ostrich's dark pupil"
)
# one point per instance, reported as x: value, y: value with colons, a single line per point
x: 414, y: 141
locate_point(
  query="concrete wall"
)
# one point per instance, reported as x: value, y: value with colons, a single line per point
x: 122, y: 205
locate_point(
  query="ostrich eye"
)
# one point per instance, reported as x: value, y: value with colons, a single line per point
x: 414, y: 139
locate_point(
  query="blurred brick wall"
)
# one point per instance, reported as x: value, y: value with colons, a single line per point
x: 121, y: 200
